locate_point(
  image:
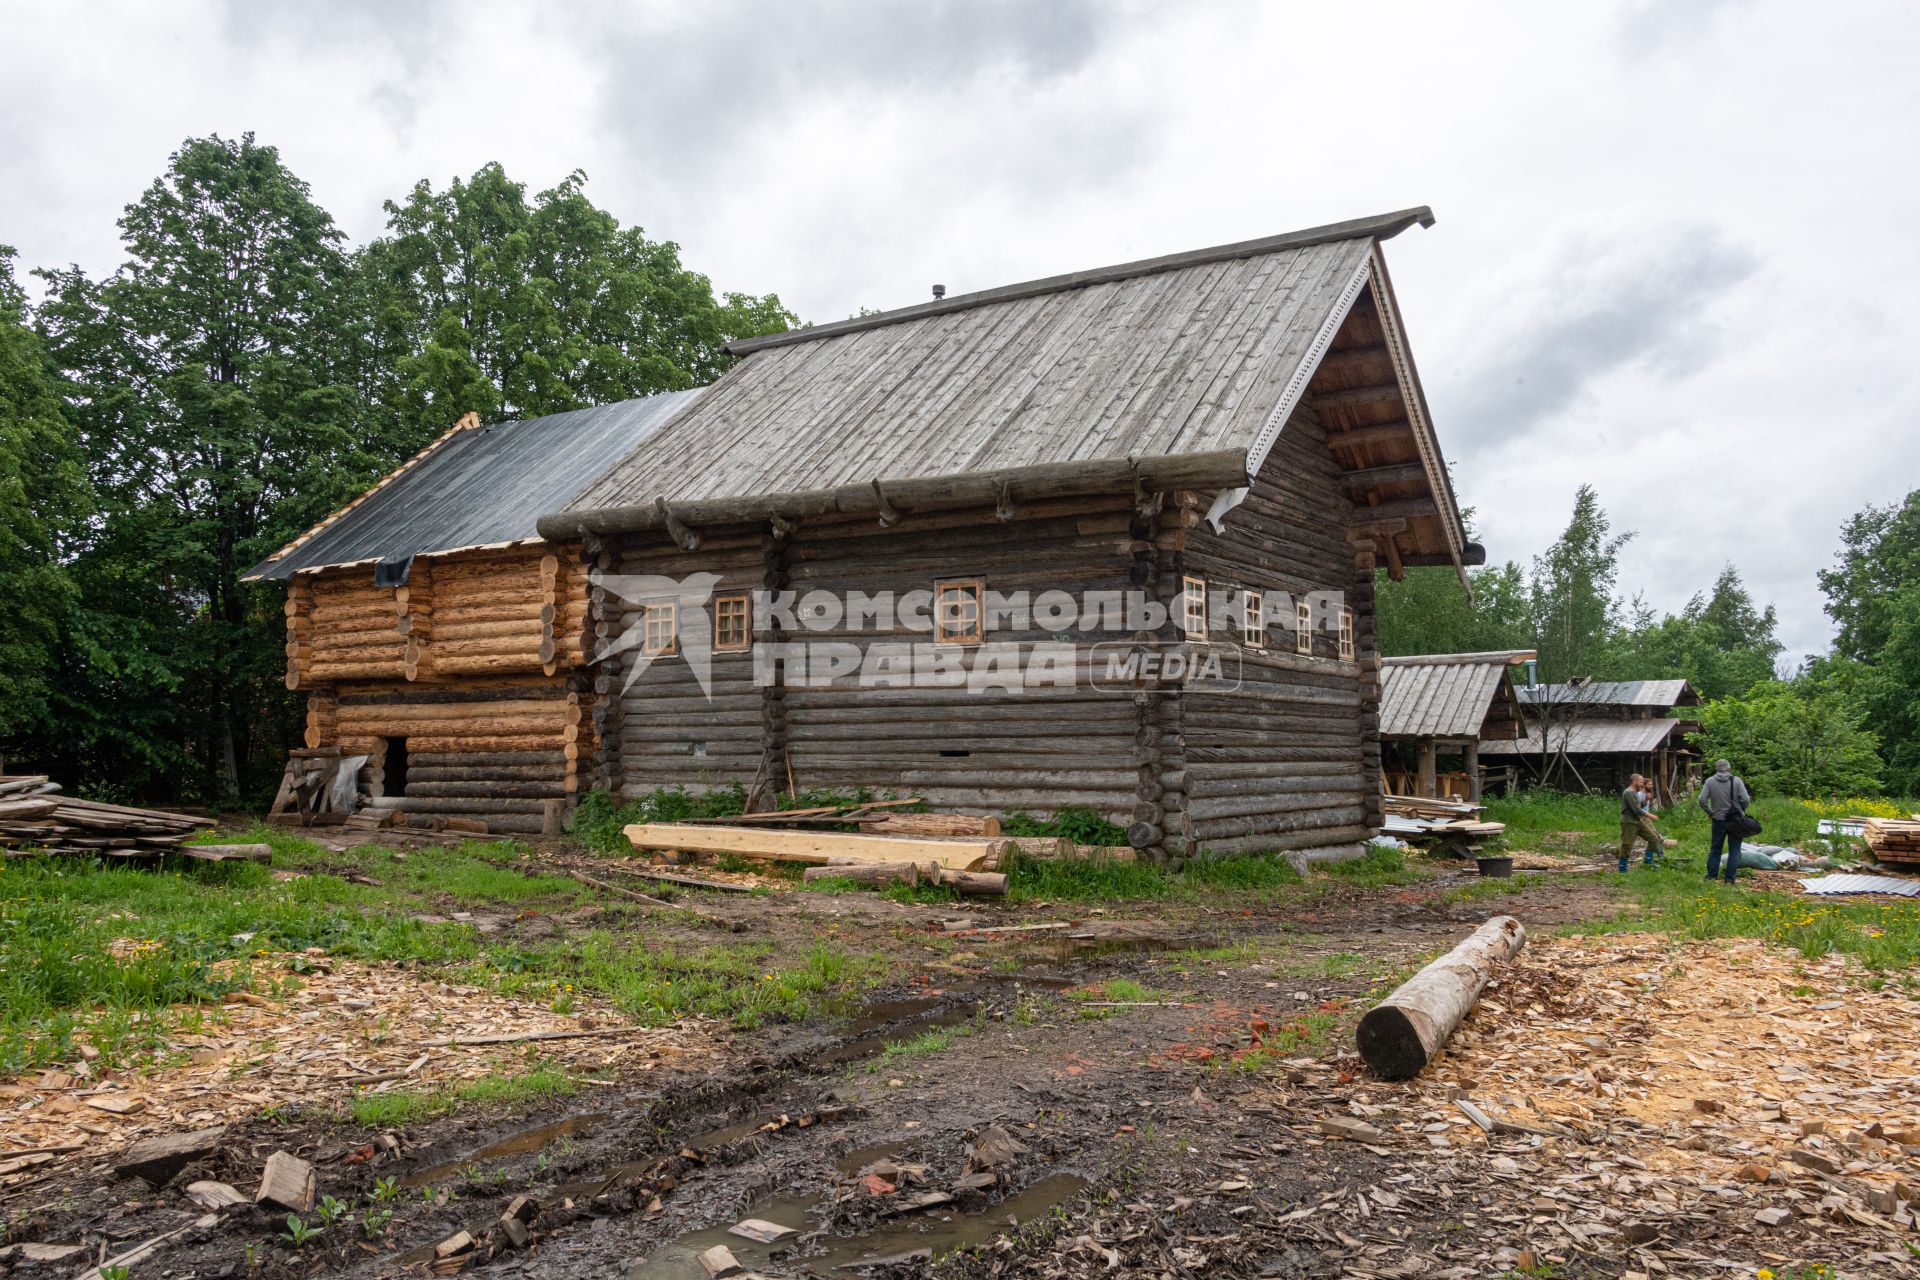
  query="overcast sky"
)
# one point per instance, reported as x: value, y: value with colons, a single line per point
x: 1674, y: 257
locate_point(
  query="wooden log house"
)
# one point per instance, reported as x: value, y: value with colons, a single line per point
x: 438, y: 635
x: 1236, y: 425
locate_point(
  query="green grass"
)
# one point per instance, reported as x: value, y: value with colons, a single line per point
x: 1489, y: 887
x: 1533, y: 816
x: 406, y: 1106
x: 1073, y: 822
x: 1676, y: 897
x: 1382, y: 866
x: 1118, y: 991
x: 599, y: 820
x: 1095, y: 880
x: 117, y: 956
x: 933, y: 1040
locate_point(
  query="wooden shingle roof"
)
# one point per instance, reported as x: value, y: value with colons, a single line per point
x: 1175, y: 372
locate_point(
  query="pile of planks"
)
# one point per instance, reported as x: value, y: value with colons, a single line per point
x: 1893, y: 839
x: 35, y: 816
x: 1451, y: 826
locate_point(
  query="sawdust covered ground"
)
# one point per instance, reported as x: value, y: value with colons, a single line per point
x: 1172, y: 1094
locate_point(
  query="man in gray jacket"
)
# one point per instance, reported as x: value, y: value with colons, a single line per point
x: 1720, y: 796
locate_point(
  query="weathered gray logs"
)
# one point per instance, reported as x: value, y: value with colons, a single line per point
x: 875, y: 875
x: 1401, y: 1034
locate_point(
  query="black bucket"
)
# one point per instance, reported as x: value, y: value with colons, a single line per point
x: 1498, y: 868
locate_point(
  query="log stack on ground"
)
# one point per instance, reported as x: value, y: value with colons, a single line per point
x: 36, y: 818
x: 1399, y: 1036
x: 1894, y: 839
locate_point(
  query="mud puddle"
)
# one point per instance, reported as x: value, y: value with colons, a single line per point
x: 523, y: 1143
x: 923, y: 1236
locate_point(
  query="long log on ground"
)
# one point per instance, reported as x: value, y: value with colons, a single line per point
x: 1401, y: 1034
x: 815, y: 846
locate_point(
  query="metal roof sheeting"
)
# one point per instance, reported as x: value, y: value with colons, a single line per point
x: 1589, y: 738
x: 1442, y: 696
x: 482, y: 486
x: 1613, y: 693
x: 1184, y: 360
x: 1861, y: 884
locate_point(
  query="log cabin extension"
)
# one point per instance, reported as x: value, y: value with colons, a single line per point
x: 439, y: 636
x: 1239, y: 424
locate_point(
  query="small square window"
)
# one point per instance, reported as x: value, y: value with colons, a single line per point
x: 1346, y: 634
x: 957, y: 611
x: 658, y: 634
x: 1303, y: 628
x: 1193, y: 608
x: 732, y: 624
x: 1252, y: 620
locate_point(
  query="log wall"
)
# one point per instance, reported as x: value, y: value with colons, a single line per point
x: 961, y: 750
x: 1290, y: 759
x: 477, y: 662
x: 665, y: 730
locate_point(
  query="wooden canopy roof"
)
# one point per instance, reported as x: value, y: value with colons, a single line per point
x: 1461, y: 696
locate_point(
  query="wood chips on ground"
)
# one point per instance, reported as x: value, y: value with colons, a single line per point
x: 1696, y: 1108
x: 349, y: 1028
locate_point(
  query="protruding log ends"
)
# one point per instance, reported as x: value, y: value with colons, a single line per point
x: 1403, y: 1033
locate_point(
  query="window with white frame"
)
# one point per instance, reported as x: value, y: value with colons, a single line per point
x: 732, y: 624
x: 1253, y: 622
x: 1346, y: 634
x: 659, y: 630
x: 1302, y: 627
x: 958, y: 611
x: 1193, y: 608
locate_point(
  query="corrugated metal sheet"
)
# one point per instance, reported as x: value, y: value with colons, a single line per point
x: 1447, y: 696
x: 1182, y: 361
x: 1590, y: 738
x: 484, y: 485
x: 1861, y: 884
x: 1613, y: 693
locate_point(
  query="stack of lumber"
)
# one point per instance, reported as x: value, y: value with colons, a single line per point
x: 33, y: 814
x: 1894, y: 839
x: 1421, y: 818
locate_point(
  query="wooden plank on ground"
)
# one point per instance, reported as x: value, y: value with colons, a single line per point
x: 815, y: 846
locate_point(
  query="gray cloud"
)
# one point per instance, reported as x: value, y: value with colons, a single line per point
x: 1649, y: 28
x: 1591, y: 302
x: 686, y: 92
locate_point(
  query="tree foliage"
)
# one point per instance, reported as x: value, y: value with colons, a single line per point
x: 214, y: 407
x: 42, y: 497
x: 486, y: 301
x: 239, y: 376
x: 1720, y: 642
x: 1873, y: 595
x: 1798, y: 738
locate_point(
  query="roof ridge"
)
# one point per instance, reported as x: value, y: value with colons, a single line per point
x: 1379, y: 227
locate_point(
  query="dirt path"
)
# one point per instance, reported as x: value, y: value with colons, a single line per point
x: 1149, y: 1098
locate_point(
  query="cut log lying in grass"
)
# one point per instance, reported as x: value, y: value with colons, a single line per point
x: 1401, y: 1034
x: 876, y: 875
x: 880, y: 874
x: 817, y: 847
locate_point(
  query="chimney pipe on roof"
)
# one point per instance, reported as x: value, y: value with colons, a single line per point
x: 939, y: 292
